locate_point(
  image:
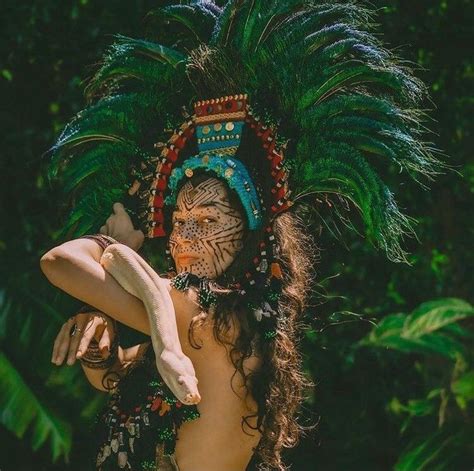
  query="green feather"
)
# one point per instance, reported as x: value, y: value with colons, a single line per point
x: 199, y: 20
x: 346, y: 104
x: 134, y: 60
x: 343, y: 171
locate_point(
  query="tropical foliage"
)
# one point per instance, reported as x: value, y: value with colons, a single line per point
x: 435, y: 331
x: 389, y: 346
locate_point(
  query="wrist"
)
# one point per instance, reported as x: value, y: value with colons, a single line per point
x: 93, y: 359
x: 102, y: 240
x: 134, y: 240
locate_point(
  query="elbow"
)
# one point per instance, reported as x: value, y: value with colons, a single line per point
x: 51, y: 262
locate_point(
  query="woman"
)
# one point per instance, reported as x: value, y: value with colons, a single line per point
x: 212, y: 238
x: 75, y: 267
x: 219, y: 195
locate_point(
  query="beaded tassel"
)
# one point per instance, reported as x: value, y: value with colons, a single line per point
x: 185, y: 280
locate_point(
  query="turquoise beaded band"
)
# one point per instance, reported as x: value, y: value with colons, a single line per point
x: 228, y: 169
x: 217, y: 143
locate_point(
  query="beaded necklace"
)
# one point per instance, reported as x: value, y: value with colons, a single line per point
x: 262, y: 302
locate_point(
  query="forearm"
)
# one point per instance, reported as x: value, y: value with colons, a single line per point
x: 74, y: 268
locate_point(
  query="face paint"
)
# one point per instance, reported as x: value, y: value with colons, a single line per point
x: 207, y: 230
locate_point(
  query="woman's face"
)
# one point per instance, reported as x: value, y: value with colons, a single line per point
x: 207, y: 230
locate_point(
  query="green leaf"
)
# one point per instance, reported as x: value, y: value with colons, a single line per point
x: 389, y: 326
x: 428, y: 329
x: 464, y: 386
x: 414, y: 407
x: 425, y: 454
x: 419, y: 407
x: 21, y: 409
x: 434, y: 315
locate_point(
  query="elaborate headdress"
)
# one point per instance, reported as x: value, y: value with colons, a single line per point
x: 304, y: 81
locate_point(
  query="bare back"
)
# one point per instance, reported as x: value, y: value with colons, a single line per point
x: 216, y: 441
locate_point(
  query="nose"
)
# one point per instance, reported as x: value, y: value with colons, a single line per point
x: 186, y: 233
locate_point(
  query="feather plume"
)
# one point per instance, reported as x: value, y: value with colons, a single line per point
x: 345, y: 103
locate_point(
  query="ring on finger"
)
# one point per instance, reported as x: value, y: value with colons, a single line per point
x: 76, y: 330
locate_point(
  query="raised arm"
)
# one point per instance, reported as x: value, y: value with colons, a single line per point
x: 120, y: 283
x: 74, y: 267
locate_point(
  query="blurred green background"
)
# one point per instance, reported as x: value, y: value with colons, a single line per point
x: 389, y: 347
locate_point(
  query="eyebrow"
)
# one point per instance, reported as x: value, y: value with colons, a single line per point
x: 205, y: 205
x: 199, y: 206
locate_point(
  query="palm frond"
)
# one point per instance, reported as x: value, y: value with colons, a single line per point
x: 23, y: 410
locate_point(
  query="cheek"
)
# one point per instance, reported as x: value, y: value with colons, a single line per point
x: 172, y: 240
x: 222, y: 243
x: 217, y: 243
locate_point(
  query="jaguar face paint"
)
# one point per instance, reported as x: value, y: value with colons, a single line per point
x: 207, y: 229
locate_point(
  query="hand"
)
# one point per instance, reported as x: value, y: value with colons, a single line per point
x: 120, y: 227
x: 87, y: 326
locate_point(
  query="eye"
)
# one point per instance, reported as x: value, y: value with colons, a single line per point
x: 178, y: 222
x: 208, y: 220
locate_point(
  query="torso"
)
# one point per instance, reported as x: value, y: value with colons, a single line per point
x: 216, y: 441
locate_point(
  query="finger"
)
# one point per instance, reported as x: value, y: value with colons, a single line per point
x: 134, y: 188
x: 109, y: 221
x: 118, y: 208
x: 104, y: 343
x: 108, y: 226
x: 56, y: 343
x: 139, y: 237
x: 99, y: 330
x: 81, y: 327
x: 87, y: 336
x: 63, y: 345
x: 61, y: 339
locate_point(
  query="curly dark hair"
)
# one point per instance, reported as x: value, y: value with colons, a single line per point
x: 278, y: 385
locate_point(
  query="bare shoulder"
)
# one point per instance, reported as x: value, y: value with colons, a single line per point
x: 183, y: 301
x: 187, y: 312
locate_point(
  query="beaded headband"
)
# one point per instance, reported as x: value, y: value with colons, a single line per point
x: 218, y: 138
x: 228, y: 169
x: 217, y: 124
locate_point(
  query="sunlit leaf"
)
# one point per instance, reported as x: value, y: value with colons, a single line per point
x: 22, y: 409
x: 428, y: 329
x: 434, y: 315
x: 464, y: 386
